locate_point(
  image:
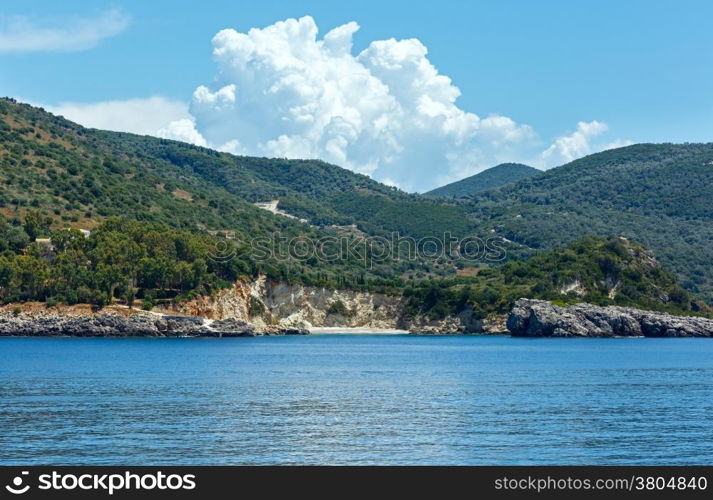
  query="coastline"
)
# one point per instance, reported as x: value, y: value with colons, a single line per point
x: 528, y: 318
x: 338, y: 330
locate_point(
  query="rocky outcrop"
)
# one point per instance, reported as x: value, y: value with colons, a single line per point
x: 270, y: 304
x: 463, y: 323
x: 539, y: 318
x: 134, y: 325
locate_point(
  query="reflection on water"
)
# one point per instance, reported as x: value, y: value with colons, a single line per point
x: 356, y: 400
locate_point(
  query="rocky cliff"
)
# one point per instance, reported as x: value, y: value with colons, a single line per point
x: 538, y: 318
x: 464, y: 322
x: 265, y: 303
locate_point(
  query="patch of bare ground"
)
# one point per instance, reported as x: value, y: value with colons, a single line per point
x: 182, y: 195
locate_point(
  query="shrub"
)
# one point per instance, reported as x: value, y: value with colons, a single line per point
x: 255, y: 307
x: 338, y: 307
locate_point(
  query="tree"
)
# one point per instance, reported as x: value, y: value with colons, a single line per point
x: 37, y: 224
x: 63, y: 239
x: 6, y: 274
x: 130, y: 295
x: 29, y: 275
x: 13, y: 238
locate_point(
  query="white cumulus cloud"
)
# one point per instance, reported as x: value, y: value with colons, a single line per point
x: 283, y: 91
x: 22, y: 34
x: 386, y: 111
x: 575, y: 145
x: 617, y: 143
x: 184, y: 129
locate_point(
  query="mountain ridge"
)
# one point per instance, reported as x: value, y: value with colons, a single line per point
x: 491, y: 178
x: 56, y: 174
x: 656, y: 194
x: 321, y: 193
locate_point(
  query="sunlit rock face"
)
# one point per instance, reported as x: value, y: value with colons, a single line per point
x: 539, y: 318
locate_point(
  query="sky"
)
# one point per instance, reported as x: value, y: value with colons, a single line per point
x: 415, y: 94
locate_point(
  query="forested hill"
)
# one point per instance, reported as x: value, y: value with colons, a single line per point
x: 657, y: 194
x: 58, y: 171
x: 89, y: 174
x: 169, y: 220
x: 604, y: 271
x: 319, y: 192
x: 492, y: 178
x: 58, y: 168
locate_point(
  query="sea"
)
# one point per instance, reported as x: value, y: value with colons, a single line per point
x: 356, y: 400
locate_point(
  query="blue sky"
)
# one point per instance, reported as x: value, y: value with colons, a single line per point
x: 639, y: 71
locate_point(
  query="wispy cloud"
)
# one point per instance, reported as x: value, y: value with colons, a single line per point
x: 24, y: 34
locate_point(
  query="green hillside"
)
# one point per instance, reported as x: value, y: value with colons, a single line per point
x: 60, y: 168
x: 168, y: 205
x: 90, y: 174
x: 657, y: 194
x: 604, y: 271
x: 55, y: 174
x: 492, y: 178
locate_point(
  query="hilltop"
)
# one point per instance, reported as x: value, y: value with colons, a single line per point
x: 492, y: 178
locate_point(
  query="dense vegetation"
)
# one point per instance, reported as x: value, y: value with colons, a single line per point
x: 495, y: 177
x: 321, y: 193
x: 656, y: 194
x: 82, y: 175
x: 604, y: 271
x: 159, y: 209
x: 126, y: 259
x: 78, y: 178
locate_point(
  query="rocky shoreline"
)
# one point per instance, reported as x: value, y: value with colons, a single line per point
x: 265, y: 302
x: 528, y: 318
x: 539, y: 318
x: 37, y: 320
x: 134, y: 325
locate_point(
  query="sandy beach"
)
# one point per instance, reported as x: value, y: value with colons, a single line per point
x: 354, y: 331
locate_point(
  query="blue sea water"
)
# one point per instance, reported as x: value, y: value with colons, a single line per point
x: 348, y: 399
